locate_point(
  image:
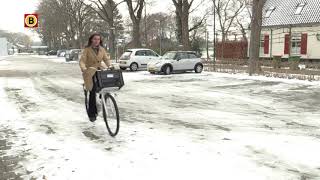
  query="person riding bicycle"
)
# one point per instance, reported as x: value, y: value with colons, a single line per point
x: 91, y: 60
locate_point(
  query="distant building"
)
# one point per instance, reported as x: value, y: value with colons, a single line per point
x: 291, y: 28
x: 3, y: 47
x: 41, y: 50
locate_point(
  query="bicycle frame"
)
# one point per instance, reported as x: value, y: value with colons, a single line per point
x: 105, y: 91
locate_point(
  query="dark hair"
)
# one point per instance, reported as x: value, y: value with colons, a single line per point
x: 92, y: 36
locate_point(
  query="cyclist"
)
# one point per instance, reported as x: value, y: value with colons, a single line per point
x: 91, y: 60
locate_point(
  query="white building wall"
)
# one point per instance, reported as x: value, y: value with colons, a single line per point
x: 3, y: 47
x: 277, y: 40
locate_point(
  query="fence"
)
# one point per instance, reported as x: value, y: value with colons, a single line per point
x: 310, y: 71
x: 232, y: 49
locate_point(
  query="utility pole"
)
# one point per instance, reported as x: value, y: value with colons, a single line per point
x: 114, y: 43
x: 145, y: 24
x: 214, y: 33
x: 207, y: 44
x: 160, y: 36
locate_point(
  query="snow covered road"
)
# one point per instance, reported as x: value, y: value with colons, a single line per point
x: 183, y: 126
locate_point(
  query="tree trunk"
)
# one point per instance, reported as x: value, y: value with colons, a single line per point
x: 182, y: 21
x: 111, y: 43
x: 185, y: 31
x: 81, y: 39
x: 256, y: 23
x: 179, y: 27
x: 135, y: 16
x: 136, y: 42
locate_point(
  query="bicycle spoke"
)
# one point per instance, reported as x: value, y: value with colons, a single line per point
x: 111, y: 115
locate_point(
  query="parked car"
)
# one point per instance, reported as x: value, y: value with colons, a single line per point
x: 61, y: 53
x: 73, y: 54
x: 136, y: 59
x: 52, y: 52
x: 174, y: 61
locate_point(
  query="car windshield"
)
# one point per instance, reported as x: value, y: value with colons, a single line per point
x: 126, y: 55
x: 169, y: 55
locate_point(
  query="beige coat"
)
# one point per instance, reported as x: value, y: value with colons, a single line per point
x: 90, y: 61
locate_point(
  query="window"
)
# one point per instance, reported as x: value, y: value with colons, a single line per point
x: 182, y: 56
x: 140, y: 53
x: 300, y: 8
x: 169, y: 55
x: 192, y: 56
x: 261, y: 45
x: 151, y: 53
x: 296, y: 44
x: 269, y: 11
x: 126, y: 55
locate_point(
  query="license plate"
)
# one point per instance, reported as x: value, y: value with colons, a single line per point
x: 110, y: 76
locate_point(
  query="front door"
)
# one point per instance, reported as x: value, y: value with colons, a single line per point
x: 141, y: 58
x: 150, y: 56
x: 182, y: 61
x: 192, y: 61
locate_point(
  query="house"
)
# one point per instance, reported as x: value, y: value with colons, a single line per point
x: 3, y: 47
x: 291, y: 28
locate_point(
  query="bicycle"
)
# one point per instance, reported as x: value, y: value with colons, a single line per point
x: 107, y: 82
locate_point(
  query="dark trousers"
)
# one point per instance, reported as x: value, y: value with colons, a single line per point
x: 92, y: 101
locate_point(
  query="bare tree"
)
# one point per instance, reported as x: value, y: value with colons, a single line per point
x: 108, y: 11
x: 17, y: 38
x: 183, y: 10
x: 63, y: 22
x: 81, y: 15
x: 256, y: 23
x: 135, y: 11
x: 227, y: 12
x: 50, y: 28
x: 243, y: 20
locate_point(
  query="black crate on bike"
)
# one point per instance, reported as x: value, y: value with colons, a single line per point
x: 109, y: 78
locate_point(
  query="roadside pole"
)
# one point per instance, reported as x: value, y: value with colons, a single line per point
x: 214, y: 35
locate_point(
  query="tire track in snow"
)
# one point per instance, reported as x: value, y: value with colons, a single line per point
x: 272, y: 161
x: 55, y: 93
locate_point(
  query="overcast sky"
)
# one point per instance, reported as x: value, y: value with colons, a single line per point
x: 12, y: 12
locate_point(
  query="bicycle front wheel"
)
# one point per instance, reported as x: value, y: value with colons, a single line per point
x: 111, y: 114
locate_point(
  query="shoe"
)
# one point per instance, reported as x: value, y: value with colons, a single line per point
x: 92, y: 119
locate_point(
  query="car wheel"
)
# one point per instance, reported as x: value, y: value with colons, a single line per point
x: 167, y: 70
x: 123, y: 68
x: 134, y: 67
x: 198, y: 68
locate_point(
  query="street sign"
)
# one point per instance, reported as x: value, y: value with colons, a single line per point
x: 31, y: 20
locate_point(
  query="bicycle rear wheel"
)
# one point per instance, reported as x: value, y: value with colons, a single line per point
x: 111, y: 114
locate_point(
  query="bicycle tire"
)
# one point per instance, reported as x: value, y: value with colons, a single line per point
x: 105, y: 115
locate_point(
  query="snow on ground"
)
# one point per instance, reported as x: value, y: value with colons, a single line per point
x: 3, y: 58
x: 54, y: 59
x: 182, y: 126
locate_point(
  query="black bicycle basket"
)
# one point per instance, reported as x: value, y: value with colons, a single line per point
x: 109, y: 78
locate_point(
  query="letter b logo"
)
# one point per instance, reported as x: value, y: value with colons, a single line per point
x: 31, y: 20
